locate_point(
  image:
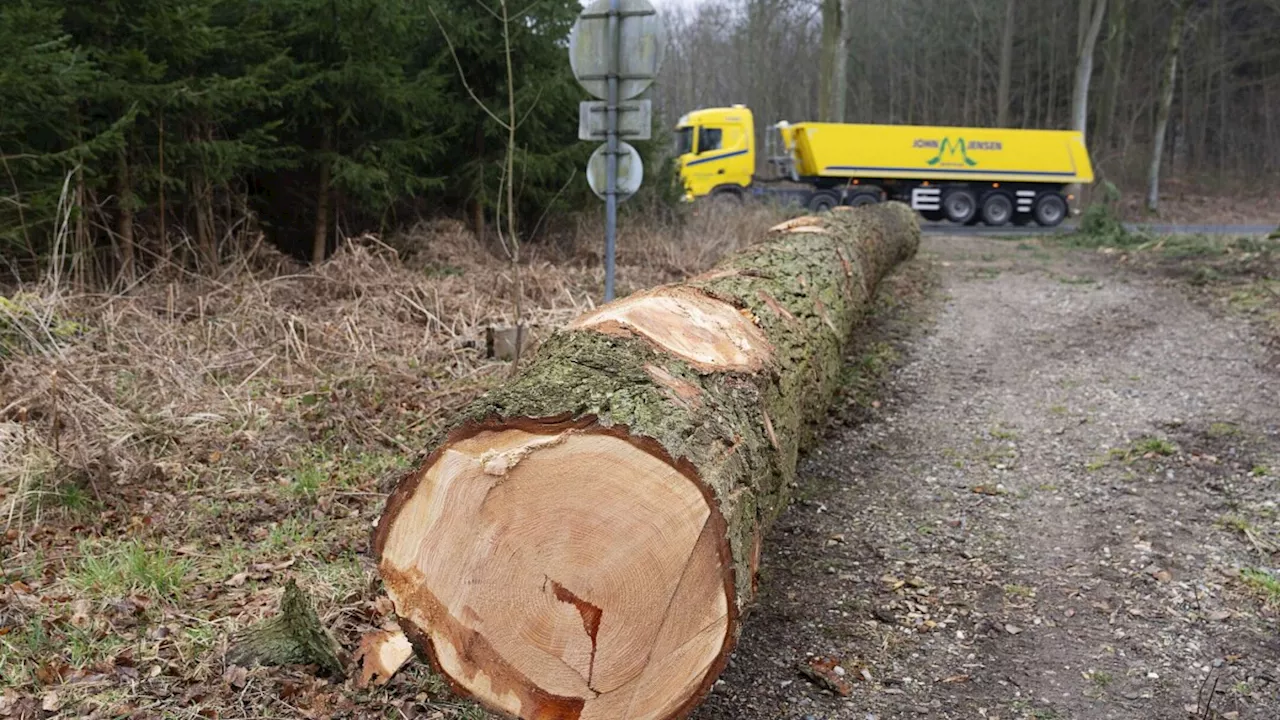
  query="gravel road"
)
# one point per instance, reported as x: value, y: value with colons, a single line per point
x: 946, y: 228
x: 1046, y: 514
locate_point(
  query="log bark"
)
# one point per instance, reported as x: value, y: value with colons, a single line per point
x: 582, y: 542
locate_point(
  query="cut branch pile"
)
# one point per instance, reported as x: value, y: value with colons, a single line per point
x: 582, y: 542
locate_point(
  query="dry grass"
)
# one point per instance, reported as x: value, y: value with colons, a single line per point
x: 168, y: 456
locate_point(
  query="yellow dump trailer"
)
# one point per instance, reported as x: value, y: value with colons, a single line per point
x: 955, y: 173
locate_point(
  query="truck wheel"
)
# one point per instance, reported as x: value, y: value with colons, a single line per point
x: 823, y: 201
x: 997, y: 209
x: 960, y: 206
x: 1050, y: 209
x: 726, y: 197
x: 864, y: 198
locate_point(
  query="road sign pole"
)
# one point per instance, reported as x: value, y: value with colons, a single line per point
x: 611, y: 128
x: 615, y: 62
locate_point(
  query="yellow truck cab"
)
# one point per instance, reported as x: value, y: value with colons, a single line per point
x: 717, y: 151
x: 961, y: 174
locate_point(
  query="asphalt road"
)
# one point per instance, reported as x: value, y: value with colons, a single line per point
x: 945, y: 228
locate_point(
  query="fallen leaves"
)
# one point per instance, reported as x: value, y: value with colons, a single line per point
x: 236, y: 676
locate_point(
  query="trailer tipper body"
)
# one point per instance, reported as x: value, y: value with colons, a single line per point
x: 961, y: 174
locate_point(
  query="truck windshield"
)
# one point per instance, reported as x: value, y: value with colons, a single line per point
x: 684, y: 140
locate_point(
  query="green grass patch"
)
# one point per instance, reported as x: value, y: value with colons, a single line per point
x: 1263, y: 583
x: 1236, y: 523
x: 1077, y: 280
x: 128, y: 567
x: 1101, y: 678
x: 1154, y: 446
x: 320, y: 470
x: 1002, y: 433
x: 1149, y: 447
x: 1219, y: 430
x: 1019, y: 591
x: 862, y: 377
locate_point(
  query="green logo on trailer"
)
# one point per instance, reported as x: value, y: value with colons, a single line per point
x: 948, y: 150
x: 957, y: 147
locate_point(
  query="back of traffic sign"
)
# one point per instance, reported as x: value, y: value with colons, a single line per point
x: 641, y: 43
x: 630, y: 171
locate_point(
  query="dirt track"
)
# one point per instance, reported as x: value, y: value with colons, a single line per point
x: 1044, y: 518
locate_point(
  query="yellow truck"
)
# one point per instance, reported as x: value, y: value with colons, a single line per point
x: 961, y: 174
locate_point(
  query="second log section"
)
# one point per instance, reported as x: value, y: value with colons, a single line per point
x: 581, y: 542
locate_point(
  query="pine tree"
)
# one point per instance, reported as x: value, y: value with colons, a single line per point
x: 41, y: 140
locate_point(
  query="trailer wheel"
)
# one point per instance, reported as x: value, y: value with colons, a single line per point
x: 997, y: 209
x: 823, y: 201
x: 863, y: 198
x: 960, y: 205
x: 1050, y: 209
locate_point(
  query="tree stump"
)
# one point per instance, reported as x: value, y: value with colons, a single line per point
x: 294, y: 637
x: 582, y: 542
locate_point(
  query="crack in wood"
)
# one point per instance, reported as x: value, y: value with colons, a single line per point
x: 591, y: 615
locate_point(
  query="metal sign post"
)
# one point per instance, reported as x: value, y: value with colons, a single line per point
x: 611, y: 130
x: 616, y: 48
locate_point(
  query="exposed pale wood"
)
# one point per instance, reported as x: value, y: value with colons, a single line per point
x: 595, y: 613
x: 380, y: 655
x: 705, y: 332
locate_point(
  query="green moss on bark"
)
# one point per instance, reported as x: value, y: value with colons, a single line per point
x: 294, y: 637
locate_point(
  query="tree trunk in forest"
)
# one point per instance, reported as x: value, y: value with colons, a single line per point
x: 1113, y: 53
x: 833, y: 63
x: 320, y: 241
x: 1224, y: 65
x: 166, y: 250
x: 201, y: 194
x: 1167, y: 81
x: 582, y: 542
x: 1084, y: 68
x: 202, y: 206
x: 840, y: 74
x: 1006, y: 65
x: 124, y: 221
x: 477, y: 201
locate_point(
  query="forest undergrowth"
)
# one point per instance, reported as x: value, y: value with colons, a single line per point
x: 170, y: 456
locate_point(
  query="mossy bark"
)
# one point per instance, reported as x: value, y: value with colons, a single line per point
x: 806, y: 286
x: 294, y: 637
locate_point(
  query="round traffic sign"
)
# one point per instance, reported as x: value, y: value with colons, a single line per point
x: 642, y: 38
x: 630, y: 171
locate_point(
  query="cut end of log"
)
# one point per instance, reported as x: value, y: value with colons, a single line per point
x: 709, y: 334
x: 804, y: 224
x: 572, y: 573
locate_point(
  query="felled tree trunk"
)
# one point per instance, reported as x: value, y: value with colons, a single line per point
x: 582, y: 542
